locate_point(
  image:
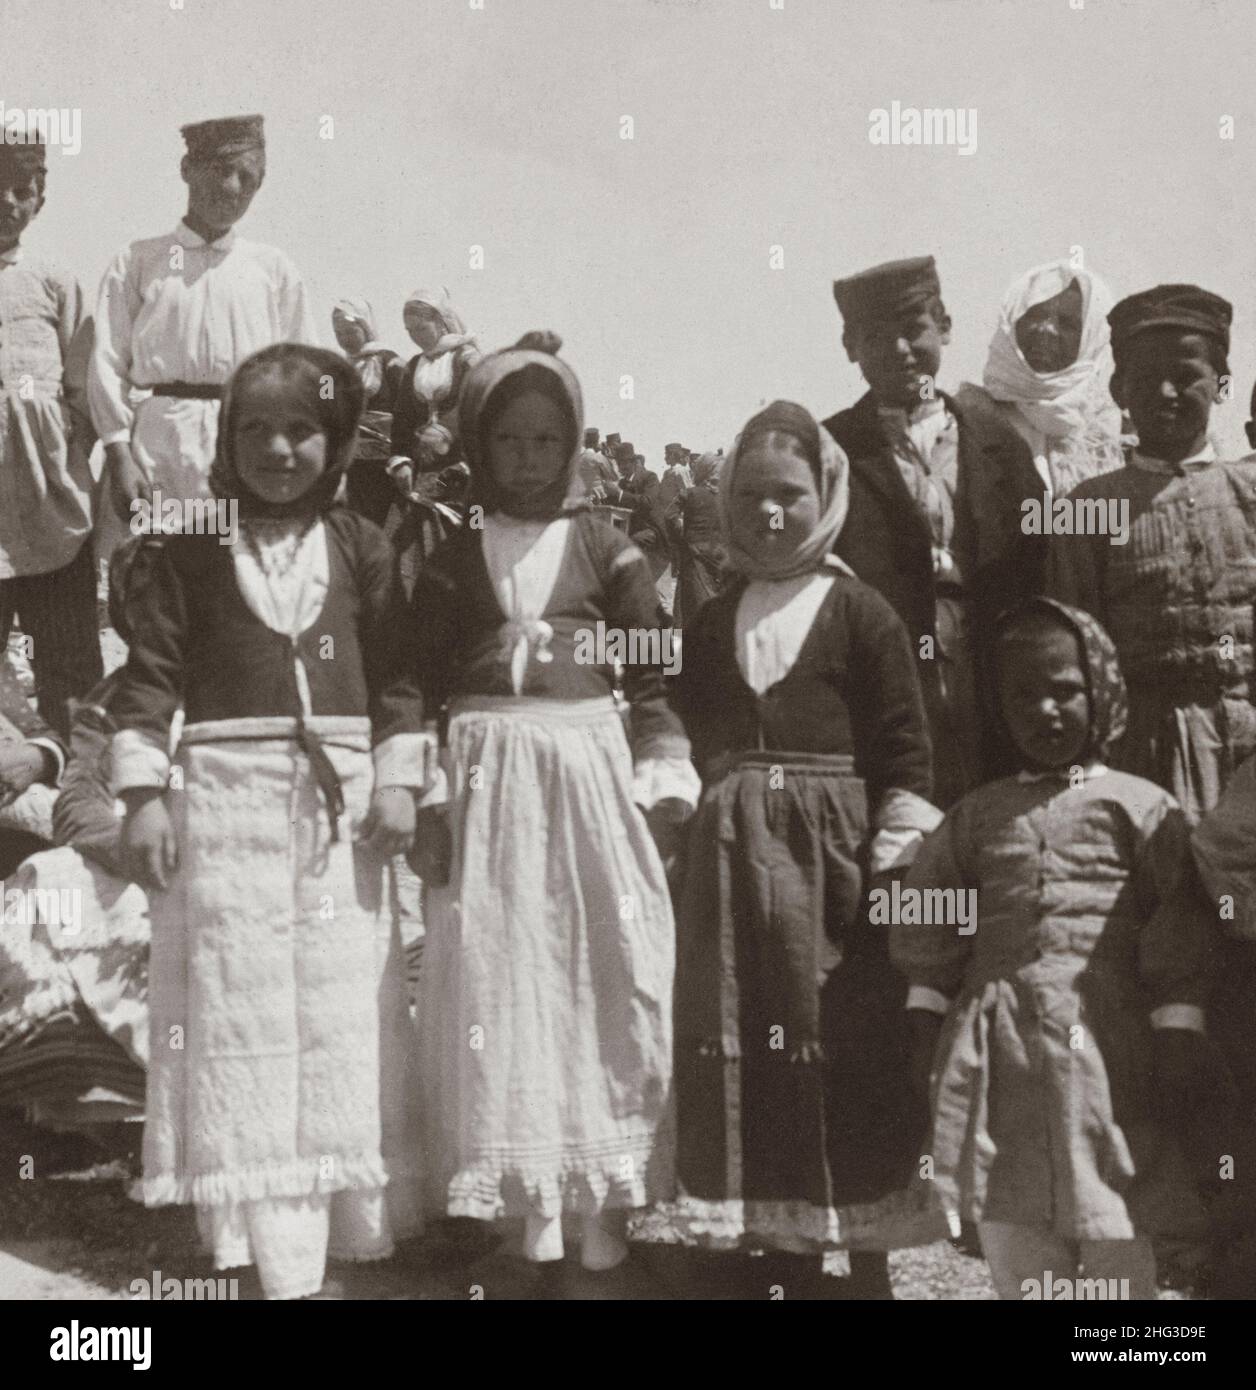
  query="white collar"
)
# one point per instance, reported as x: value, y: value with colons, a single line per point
x: 12, y: 255
x: 185, y: 236
x: 1205, y: 456
x: 1089, y: 771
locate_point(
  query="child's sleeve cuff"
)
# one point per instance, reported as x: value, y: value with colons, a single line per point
x: 903, y: 820
x: 50, y: 745
x: 1188, y: 1016
x: 931, y: 1000
x: 662, y: 779
x: 406, y: 760
x: 137, y: 760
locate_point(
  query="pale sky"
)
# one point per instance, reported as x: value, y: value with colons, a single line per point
x: 500, y: 127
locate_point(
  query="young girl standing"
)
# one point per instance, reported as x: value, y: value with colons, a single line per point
x: 545, y: 998
x: 1072, y: 1009
x: 799, y: 691
x: 280, y: 1040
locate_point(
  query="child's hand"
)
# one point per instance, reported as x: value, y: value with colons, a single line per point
x: 926, y: 1028
x: 668, y: 832
x: 149, y: 849
x: 20, y: 765
x: 126, y: 479
x: 389, y: 825
x: 1177, y: 1065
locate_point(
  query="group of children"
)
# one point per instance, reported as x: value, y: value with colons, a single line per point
x: 628, y: 1027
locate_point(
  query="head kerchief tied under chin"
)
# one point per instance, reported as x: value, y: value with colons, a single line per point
x: 223, y: 138
x: 454, y: 331
x: 1105, y: 685
x: 491, y: 385
x: 1184, y: 307
x: 360, y: 312
x: 830, y: 470
x: 1053, y: 402
x: 336, y: 394
x: 888, y: 291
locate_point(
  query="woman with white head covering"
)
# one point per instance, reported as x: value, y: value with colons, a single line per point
x: 426, y: 461
x: 1048, y: 371
x: 796, y: 1130
x: 368, y: 487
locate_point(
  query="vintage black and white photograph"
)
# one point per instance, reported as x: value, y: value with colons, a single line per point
x: 628, y: 657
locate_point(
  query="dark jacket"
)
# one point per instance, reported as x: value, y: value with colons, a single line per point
x: 886, y: 539
x: 640, y: 491
x: 411, y: 412
x: 195, y: 642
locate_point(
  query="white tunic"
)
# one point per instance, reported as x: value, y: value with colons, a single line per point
x: 179, y: 308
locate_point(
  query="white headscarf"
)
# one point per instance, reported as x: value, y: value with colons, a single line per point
x: 1053, y: 403
x: 833, y: 486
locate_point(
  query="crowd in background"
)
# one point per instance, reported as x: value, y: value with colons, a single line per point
x: 913, y: 903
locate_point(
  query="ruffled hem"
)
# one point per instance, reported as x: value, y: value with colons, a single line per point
x: 298, y: 1179
x: 627, y: 1175
x: 901, y: 1220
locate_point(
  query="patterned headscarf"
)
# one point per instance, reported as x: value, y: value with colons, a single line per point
x: 1105, y: 685
x: 1056, y: 404
x: 339, y: 409
x: 531, y: 365
x: 829, y: 467
x: 455, y: 335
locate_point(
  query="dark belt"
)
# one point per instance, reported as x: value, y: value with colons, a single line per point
x: 191, y: 390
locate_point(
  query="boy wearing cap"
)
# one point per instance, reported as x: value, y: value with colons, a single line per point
x: 177, y: 313
x: 47, y: 573
x: 936, y: 487
x: 1177, y: 598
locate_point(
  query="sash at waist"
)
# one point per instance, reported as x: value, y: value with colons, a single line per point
x: 188, y: 390
x: 350, y: 731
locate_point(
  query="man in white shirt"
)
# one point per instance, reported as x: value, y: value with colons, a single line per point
x: 178, y: 313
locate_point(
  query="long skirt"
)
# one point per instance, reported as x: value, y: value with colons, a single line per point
x: 796, y: 1127
x: 545, y: 995
x: 281, y: 1058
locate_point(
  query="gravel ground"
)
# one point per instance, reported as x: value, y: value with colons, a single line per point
x: 69, y: 1231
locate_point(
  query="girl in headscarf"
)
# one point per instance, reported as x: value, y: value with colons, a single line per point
x: 279, y: 1092
x: 1048, y: 369
x: 545, y: 997
x: 427, y: 455
x: 697, y: 536
x: 368, y: 488
x: 1064, y: 1018
x: 799, y: 693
